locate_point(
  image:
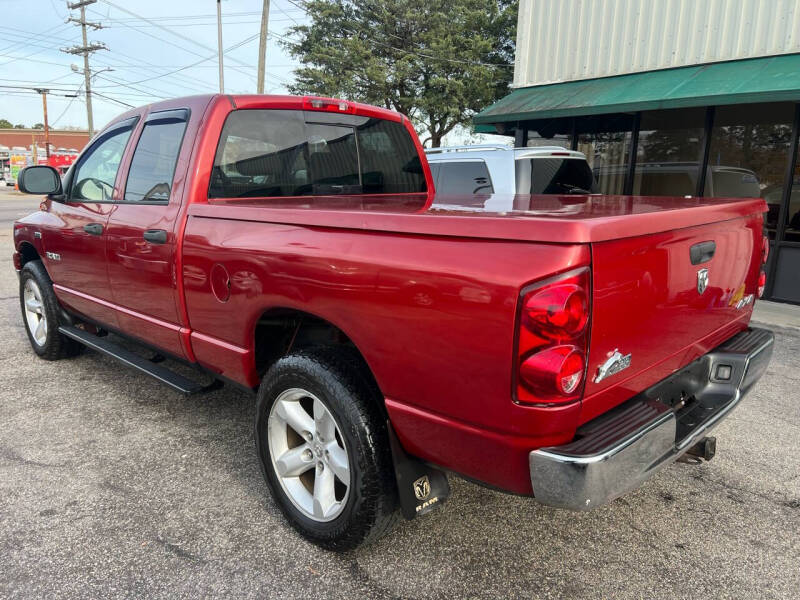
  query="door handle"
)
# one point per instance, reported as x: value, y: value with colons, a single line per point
x: 155, y: 236
x: 93, y: 228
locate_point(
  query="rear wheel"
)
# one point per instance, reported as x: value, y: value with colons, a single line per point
x: 324, y: 448
x: 40, y: 313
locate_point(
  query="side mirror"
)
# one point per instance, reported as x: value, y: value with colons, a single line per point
x: 39, y: 179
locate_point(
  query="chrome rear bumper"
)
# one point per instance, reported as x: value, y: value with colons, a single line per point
x: 619, y: 450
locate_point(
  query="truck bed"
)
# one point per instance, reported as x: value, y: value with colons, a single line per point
x: 580, y: 219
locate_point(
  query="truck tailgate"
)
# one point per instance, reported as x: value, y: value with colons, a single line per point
x: 651, y: 302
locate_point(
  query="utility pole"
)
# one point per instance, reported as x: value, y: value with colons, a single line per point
x: 262, y: 48
x: 86, y: 49
x: 219, y: 46
x: 46, y: 126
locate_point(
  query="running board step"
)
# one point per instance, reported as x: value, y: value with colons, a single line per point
x: 101, y: 344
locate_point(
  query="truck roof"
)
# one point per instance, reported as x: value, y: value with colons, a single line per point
x: 267, y: 101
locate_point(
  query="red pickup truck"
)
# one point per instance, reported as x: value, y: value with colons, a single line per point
x: 565, y: 348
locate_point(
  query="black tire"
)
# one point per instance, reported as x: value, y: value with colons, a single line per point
x: 54, y: 345
x: 337, y: 377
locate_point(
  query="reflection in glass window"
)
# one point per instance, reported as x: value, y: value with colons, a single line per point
x: 792, y: 231
x: 333, y: 159
x: 261, y: 153
x: 606, y: 143
x: 153, y: 163
x: 535, y: 140
x: 748, y: 154
x: 668, y: 153
x: 273, y: 153
x: 94, y: 178
x: 390, y: 163
x: 553, y: 176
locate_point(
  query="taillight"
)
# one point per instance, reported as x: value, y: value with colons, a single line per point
x: 762, y: 276
x: 557, y: 310
x: 552, y: 339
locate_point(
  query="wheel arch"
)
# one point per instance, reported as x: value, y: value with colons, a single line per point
x: 27, y: 253
x: 281, y: 330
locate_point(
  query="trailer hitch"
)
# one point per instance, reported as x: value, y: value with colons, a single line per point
x: 705, y: 449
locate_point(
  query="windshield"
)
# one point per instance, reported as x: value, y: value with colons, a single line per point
x: 553, y: 175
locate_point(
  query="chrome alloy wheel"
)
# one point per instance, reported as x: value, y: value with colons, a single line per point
x: 34, y: 312
x: 308, y: 454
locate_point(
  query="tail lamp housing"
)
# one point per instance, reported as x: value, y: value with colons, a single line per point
x: 552, y: 339
x: 762, y: 275
x: 762, y: 283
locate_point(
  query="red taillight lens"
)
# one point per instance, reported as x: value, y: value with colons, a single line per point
x: 553, y: 373
x: 552, y: 339
x: 762, y: 283
x: 557, y: 311
x: 764, y: 250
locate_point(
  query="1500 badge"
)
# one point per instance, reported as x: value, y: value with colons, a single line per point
x: 616, y: 362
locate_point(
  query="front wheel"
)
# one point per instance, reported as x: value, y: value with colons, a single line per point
x: 324, y: 448
x: 40, y: 312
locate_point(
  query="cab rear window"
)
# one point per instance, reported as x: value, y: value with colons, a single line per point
x: 279, y: 153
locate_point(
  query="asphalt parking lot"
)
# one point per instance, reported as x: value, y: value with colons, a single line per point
x: 113, y: 486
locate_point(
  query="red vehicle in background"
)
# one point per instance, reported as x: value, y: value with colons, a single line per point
x: 295, y: 247
x: 61, y: 161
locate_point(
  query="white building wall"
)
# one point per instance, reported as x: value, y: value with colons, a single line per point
x: 566, y: 40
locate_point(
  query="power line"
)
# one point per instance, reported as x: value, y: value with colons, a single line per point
x: 165, y: 28
x: 113, y: 100
x: 211, y: 57
x: 69, y: 104
x: 25, y: 39
x: 86, y: 49
x: 161, y: 39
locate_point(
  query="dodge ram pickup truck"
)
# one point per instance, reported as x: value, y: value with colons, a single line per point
x: 565, y: 347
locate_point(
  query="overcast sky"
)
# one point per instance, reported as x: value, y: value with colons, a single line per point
x: 144, y: 48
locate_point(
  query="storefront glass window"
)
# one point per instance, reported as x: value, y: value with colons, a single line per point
x: 748, y: 154
x: 606, y: 143
x: 537, y: 141
x: 792, y: 231
x: 668, y: 152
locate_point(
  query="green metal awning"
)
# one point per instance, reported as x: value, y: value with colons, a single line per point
x: 768, y: 79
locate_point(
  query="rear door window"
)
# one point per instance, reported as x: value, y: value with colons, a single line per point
x: 275, y: 153
x: 153, y: 164
x: 463, y: 178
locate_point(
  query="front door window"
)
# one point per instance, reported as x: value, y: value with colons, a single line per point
x: 94, y: 178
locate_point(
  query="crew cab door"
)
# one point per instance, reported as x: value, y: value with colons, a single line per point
x: 142, y: 234
x: 75, y: 240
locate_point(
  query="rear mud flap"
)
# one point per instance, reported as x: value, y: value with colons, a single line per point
x: 421, y: 488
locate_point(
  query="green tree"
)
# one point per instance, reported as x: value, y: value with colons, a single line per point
x: 436, y: 61
x: 38, y: 125
x: 19, y: 126
x: 5, y: 124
